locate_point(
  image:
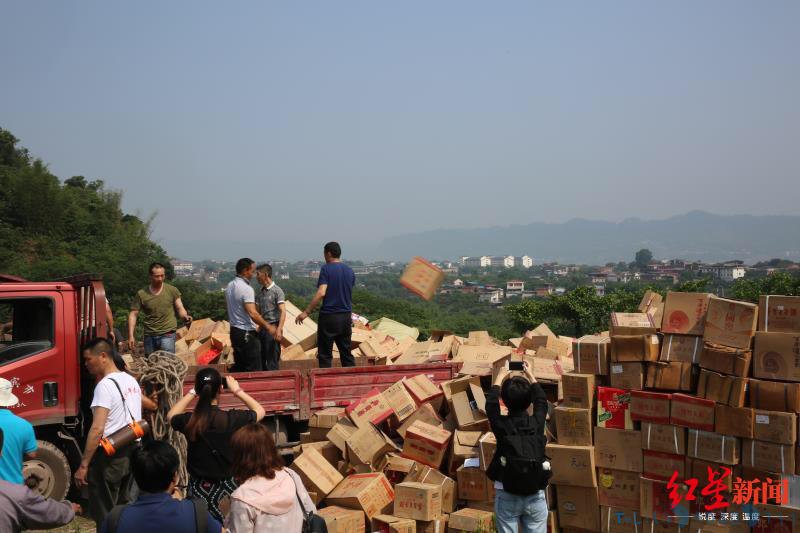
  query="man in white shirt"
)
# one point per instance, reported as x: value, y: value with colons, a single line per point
x: 117, y: 402
x: 245, y: 319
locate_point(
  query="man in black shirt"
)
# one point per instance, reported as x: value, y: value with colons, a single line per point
x: 520, y: 440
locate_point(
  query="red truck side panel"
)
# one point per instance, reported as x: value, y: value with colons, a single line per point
x: 278, y: 392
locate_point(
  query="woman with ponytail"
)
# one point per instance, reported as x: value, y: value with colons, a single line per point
x: 208, y: 431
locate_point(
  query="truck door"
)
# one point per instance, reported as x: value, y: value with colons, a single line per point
x: 32, y: 354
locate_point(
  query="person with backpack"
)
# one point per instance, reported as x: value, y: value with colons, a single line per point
x: 271, y: 498
x: 155, y: 468
x: 208, y: 433
x: 519, y: 468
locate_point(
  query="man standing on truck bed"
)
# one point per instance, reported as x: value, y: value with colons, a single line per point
x: 158, y: 304
x: 335, y: 323
x: 270, y: 301
x: 244, y: 318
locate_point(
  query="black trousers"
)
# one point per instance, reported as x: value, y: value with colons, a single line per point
x: 270, y: 350
x: 334, y: 328
x: 246, y: 350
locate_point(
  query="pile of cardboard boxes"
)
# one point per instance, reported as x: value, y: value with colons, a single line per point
x: 667, y: 394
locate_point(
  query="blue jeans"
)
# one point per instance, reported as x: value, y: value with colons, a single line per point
x: 164, y: 342
x: 512, y: 509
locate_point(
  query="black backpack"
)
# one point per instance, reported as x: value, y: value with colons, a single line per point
x: 522, y: 455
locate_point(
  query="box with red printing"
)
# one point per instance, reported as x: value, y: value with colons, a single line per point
x: 372, y: 407
x: 613, y: 408
x: 691, y: 412
x: 650, y: 406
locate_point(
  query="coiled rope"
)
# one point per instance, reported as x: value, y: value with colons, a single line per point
x: 162, y: 372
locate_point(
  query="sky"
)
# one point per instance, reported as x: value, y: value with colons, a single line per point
x: 282, y: 123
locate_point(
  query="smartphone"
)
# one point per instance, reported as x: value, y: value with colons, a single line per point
x: 516, y: 365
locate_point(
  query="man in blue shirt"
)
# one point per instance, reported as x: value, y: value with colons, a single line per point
x: 20, y: 441
x: 335, y: 290
x: 155, y: 468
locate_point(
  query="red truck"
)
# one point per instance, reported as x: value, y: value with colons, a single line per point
x: 44, y: 324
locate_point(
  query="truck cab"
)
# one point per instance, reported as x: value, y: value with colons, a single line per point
x: 42, y: 326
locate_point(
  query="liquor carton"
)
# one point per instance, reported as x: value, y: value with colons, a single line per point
x: 675, y: 375
x: 650, y: 406
x: 618, y: 449
x: 591, y: 354
x: 578, y: 507
x: 777, y: 356
x: 629, y: 348
x: 774, y: 396
x: 370, y: 493
x: 426, y: 444
x: 618, y: 488
x: 727, y: 360
x: 574, y: 426
x: 468, y: 519
x: 572, y: 465
x: 661, y: 466
x: 613, y: 408
x: 578, y: 390
x: 730, y: 322
x: 419, y: 501
x: 342, y: 520
x: 734, y: 421
x: 685, y: 312
x: 683, y: 348
x: 768, y: 456
x: 775, y: 426
x: 663, y: 438
x: 713, y: 447
x: 691, y: 412
x: 628, y: 376
x: 780, y: 314
x: 728, y: 390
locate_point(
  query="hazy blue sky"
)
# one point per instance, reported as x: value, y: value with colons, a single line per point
x: 309, y: 121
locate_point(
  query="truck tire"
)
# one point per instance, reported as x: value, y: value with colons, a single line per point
x: 48, y: 473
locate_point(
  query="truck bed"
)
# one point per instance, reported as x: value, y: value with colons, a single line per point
x: 300, y: 392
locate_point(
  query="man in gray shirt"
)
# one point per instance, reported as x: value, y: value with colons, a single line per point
x: 270, y: 301
x: 21, y: 508
x: 245, y: 319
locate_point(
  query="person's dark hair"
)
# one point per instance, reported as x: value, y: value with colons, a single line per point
x: 154, y: 466
x: 516, y: 393
x: 243, y: 264
x: 334, y: 249
x: 98, y: 345
x: 254, y: 453
x: 207, y: 382
x: 154, y: 265
x: 265, y: 269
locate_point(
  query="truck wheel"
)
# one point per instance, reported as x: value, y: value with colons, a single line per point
x: 49, y: 473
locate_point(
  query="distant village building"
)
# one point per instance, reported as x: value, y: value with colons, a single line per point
x: 458, y: 283
x: 523, y: 261
x: 515, y: 287
x: 183, y: 268
x: 478, y: 262
x: 725, y: 271
x: 493, y: 296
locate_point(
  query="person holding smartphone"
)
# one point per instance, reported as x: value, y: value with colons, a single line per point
x: 519, y: 468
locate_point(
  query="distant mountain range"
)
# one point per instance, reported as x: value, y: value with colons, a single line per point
x: 696, y: 235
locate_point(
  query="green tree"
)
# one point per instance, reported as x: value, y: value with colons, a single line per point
x: 643, y: 258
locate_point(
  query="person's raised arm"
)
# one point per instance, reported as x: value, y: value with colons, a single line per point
x: 180, y: 406
x: 245, y: 398
x: 538, y: 396
x: 493, y: 400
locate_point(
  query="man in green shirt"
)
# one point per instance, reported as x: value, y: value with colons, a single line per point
x: 158, y: 304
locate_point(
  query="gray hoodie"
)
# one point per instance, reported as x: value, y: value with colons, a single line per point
x: 269, y: 505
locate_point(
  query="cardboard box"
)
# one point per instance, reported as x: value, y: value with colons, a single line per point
x: 396, y: 467
x: 425, y: 413
x: 574, y: 426
x: 370, y: 409
x: 628, y: 376
x: 774, y: 396
x: 316, y: 472
x: 683, y: 348
x: 775, y: 426
x: 465, y: 446
x: 631, y: 324
x: 438, y: 525
x: 779, y: 314
x: 776, y: 519
x: 629, y: 348
x: 424, y: 390
x: 727, y: 360
x: 572, y: 465
x: 768, y: 456
x: 578, y: 507
x: 384, y: 523
x: 713, y: 447
x: 370, y: 493
x: 321, y: 422
x: 341, y: 432
x: 691, y: 412
x: 613, y: 408
x: 591, y: 353
x: 419, y: 501
x: 422, y: 278
x: 650, y: 304
x: 473, y: 485
x: 425, y: 474
x: 304, y: 334
x: 650, y: 406
x: 342, y: 520
x: 734, y: 421
x: 792, y: 482
x: 487, y: 445
x: 663, y: 438
x: 426, y: 444
x: 578, y: 390
x: 469, y: 406
x: 661, y: 466
x: 654, y: 502
x: 400, y: 400
x: 730, y: 323
x: 618, y: 449
x: 728, y: 390
x: 618, y: 488
x: 685, y: 313
x: 330, y: 452
x: 777, y: 356
x: 673, y: 375
x: 471, y: 520
x: 368, y: 446
x: 698, y: 468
